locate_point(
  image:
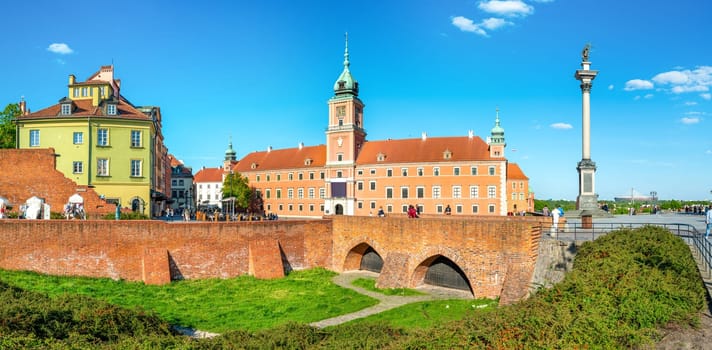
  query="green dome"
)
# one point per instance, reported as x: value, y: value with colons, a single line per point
x: 346, y: 82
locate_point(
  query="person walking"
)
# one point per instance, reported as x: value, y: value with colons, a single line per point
x: 708, y: 221
x: 555, y: 221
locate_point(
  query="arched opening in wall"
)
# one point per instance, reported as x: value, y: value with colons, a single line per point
x: 339, y: 209
x: 137, y: 205
x: 363, y: 257
x: 443, y: 272
x: 371, y: 261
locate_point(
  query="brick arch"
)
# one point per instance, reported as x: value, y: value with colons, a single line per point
x: 352, y: 261
x: 427, y: 257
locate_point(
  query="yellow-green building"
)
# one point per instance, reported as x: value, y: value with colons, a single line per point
x: 103, y: 141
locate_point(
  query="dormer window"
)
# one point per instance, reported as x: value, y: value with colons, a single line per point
x: 307, y: 161
x: 447, y: 154
x: 253, y: 166
x: 380, y: 157
x: 342, y: 85
x: 111, y: 109
x: 66, y: 108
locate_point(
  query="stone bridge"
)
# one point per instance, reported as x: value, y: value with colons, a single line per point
x: 489, y: 256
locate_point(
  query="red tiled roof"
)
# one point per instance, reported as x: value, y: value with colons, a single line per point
x: 288, y: 158
x: 84, y: 108
x: 174, y: 162
x: 514, y: 172
x: 209, y: 175
x: 432, y: 149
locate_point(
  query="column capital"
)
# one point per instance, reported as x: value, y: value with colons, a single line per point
x: 586, y: 87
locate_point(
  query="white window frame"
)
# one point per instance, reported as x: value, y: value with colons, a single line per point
x: 78, y: 138
x: 34, y: 138
x: 322, y: 194
x: 420, y: 192
x: 290, y: 193
x: 437, y: 192
x: 102, y: 137
x: 391, y: 191
x: 77, y: 167
x: 456, y: 171
x: 136, y: 138
x: 102, y: 167
x: 492, y: 171
x: 300, y: 193
x: 136, y: 167
x: 311, y: 192
x: 405, y: 192
x: 473, y: 171
x: 66, y: 109
x: 111, y: 109
x: 491, y: 191
x: 474, y: 192
x: 436, y: 171
x: 457, y: 191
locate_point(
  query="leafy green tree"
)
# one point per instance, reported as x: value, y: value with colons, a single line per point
x: 7, y: 125
x: 237, y: 186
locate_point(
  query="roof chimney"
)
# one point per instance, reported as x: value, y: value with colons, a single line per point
x: 470, y: 134
x: 269, y: 148
x: 301, y: 145
x: 23, y: 106
x: 424, y: 136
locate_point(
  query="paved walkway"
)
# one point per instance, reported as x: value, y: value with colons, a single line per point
x: 386, y: 302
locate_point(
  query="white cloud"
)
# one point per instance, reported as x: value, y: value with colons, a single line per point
x: 709, y: 151
x: 510, y: 8
x: 685, y: 80
x: 561, y: 126
x: 60, y: 48
x: 638, y: 84
x: 494, y: 23
x: 467, y: 25
x: 690, y: 103
x: 688, y: 120
x: 648, y: 96
x: 610, y: 87
x: 706, y: 96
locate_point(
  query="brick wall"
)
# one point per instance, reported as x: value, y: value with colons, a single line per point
x: 497, y: 254
x: 31, y: 172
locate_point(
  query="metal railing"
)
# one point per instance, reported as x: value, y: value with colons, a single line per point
x: 701, y: 247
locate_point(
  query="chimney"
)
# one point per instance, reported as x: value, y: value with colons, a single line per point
x: 23, y: 106
x: 72, y: 79
x: 424, y: 136
x: 301, y: 145
x: 470, y: 134
x: 269, y: 148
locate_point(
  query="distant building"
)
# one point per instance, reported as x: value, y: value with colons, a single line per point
x: 352, y: 176
x: 182, y: 192
x: 103, y: 141
x: 208, y: 188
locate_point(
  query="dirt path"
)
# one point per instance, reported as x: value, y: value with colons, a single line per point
x: 387, y: 302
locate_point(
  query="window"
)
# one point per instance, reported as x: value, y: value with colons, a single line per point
x: 267, y: 177
x: 514, y: 196
x: 111, y: 109
x: 321, y: 207
x: 311, y: 207
x: 491, y: 191
x: 456, y: 192
x: 66, y: 109
x: 257, y: 178
x: 84, y: 92
x: 439, y: 208
x: 339, y: 157
x: 436, y: 192
x: 359, y: 186
x: 339, y: 174
x: 420, y: 171
x: 311, y: 176
x: 34, y: 138
x: 404, y: 208
x: 77, y: 167
x: 436, y: 171
x: 359, y: 205
x: 290, y: 193
x: 300, y: 193
x: 279, y: 177
x: 404, y: 171
x: 301, y: 207
x: 135, y: 168
x: 290, y: 176
x: 458, y: 208
x: 321, y: 175
x: 372, y: 185
x: 474, y: 192
x: 373, y: 205
x: 102, y: 137
x: 280, y: 207
x: 475, y: 209
x: 290, y: 207
x: 404, y: 192
x: 180, y: 182
x: 389, y: 192
x: 521, y: 196
x: 389, y: 172
x: 102, y: 91
x: 174, y: 182
x: 102, y: 167
x: 359, y: 172
x: 420, y: 192
x: 75, y: 92
x: 491, y: 170
x: 514, y: 185
x: 279, y: 193
x: 135, y: 138
x: 473, y: 170
x: 78, y: 137
x: 490, y: 208
x: 373, y: 171
x: 268, y: 193
x: 322, y: 194
x: 311, y: 192
x: 456, y: 171
x: 389, y: 208
x: 300, y: 176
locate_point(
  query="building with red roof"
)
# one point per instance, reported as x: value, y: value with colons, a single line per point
x: 350, y: 175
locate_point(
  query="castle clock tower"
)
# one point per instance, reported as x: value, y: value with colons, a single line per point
x: 344, y: 137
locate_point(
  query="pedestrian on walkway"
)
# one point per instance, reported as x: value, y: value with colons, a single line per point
x: 708, y: 221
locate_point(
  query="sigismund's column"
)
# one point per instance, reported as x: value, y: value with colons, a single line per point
x: 587, y: 198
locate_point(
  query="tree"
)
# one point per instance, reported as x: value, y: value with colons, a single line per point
x: 236, y: 185
x: 7, y: 125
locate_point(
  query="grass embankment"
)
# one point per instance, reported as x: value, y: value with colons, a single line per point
x: 622, y: 288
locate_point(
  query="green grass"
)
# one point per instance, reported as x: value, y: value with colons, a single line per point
x: 370, y: 284
x: 215, y: 305
x: 426, y: 314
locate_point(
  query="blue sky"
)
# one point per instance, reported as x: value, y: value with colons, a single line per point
x: 261, y: 72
